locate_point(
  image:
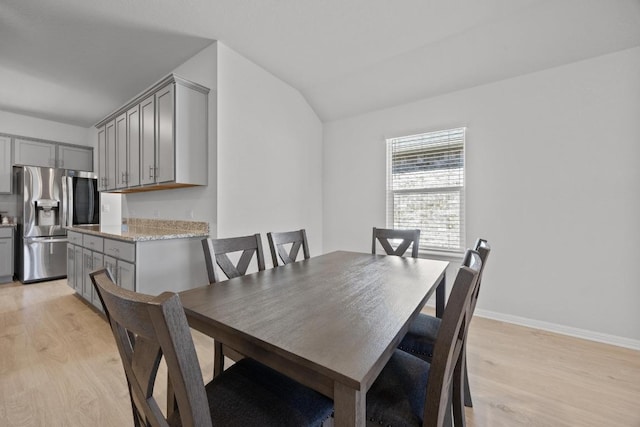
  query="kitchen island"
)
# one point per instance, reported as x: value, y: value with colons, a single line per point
x: 143, y: 255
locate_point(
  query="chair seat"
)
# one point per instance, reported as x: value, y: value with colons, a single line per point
x: 251, y: 394
x: 397, y: 396
x: 421, y: 336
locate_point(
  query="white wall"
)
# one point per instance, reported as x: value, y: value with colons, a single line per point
x: 269, y: 154
x: 553, y: 183
x: 17, y: 124
x: 182, y: 202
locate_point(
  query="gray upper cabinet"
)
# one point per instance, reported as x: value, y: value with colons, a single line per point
x: 5, y: 165
x: 75, y: 157
x: 53, y: 155
x: 133, y: 146
x: 102, y: 159
x: 121, y: 155
x: 165, y: 129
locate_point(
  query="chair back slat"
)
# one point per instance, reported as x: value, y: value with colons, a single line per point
x: 448, y: 352
x: 278, y: 245
x: 407, y: 238
x: 216, y: 252
x: 146, y: 329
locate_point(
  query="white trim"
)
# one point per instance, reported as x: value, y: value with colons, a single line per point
x: 561, y: 329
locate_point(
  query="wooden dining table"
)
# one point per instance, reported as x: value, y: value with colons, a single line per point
x: 330, y: 322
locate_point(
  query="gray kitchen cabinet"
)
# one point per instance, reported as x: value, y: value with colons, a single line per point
x: 147, y: 140
x: 6, y: 254
x: 133, y: 146
x: 71, y: 265
x: 121, y: 155
x: 166, y: 128
x: 97, y: 261
x: 78, y: 270
x: 6, y: 174
x: 110, y: 153
x: 123, y: 272
x: 102, y: 159
x: 51, y: 154
x: 75, y: 157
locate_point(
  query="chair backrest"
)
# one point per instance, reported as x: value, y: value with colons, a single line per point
x: 447, y: 354
x: 217, y: 249
x: 278, y: 242
x: 483, y: 249
x: 407, y: 237
x: 146, y: 328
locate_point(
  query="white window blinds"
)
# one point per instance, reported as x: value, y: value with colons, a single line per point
x: 425, y: 187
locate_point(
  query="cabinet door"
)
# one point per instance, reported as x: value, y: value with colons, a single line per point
x: 79, y: 269
x: 147, y: 141
x: 5, y: 165
x: 122, y: 157
x: 76, y: 158
x: 165, y: 147
x: 6, y: 257
x: 133, y: 141
x: 111, y: 264
x: 97, y: 261
x: 126, y: 275
x: 87, y: 264
x: 35, y: 153
x: 110, y: 136
x: 71, y: 266
x: 102, y: 159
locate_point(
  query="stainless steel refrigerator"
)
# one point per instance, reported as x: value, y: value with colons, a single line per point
x: 49, y: 200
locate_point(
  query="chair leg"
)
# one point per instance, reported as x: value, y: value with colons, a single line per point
x: 218, y: 359
x: 467, y: 391
x: 458, y: 392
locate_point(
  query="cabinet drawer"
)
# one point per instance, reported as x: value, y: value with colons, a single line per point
x: 120, y: 250
x: 93, y: 242
x: 75, y: 238
x: 6, y: 232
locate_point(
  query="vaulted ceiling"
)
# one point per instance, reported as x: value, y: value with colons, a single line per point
x: 74, y: 61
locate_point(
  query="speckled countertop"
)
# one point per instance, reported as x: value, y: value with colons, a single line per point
x: 141, y: 229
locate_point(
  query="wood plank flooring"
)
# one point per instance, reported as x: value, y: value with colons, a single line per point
x: 59, y: 366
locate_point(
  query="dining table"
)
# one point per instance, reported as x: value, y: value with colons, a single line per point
x: 331, y: 322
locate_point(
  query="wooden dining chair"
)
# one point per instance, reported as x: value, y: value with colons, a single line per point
x: 387, y: 236
x: 216, y: 251
x: 412, y: 392
x: 423, y: 331
x: 278, y: 243
x: 148, y: 328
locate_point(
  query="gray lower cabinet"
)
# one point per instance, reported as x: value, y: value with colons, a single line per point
x: 148, y: 266
x: 6, y: 254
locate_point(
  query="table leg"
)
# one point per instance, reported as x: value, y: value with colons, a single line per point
x: 350, y: 406
x: 218, y: 358
x: 441, y: 290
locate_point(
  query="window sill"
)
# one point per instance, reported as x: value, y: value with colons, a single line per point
x: 442, y: 256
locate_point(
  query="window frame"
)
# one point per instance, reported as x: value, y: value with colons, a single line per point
x: 431, y: 251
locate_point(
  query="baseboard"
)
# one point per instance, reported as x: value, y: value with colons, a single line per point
x: 561, y: 329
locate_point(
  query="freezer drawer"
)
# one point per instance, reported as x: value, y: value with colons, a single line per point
x: 43, y: 258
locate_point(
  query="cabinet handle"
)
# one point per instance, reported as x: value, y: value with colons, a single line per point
x: 150, y: 172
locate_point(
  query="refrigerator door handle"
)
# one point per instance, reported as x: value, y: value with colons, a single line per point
x: 67, y: 197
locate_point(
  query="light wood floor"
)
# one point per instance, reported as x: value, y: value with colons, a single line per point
x: 59, y: 366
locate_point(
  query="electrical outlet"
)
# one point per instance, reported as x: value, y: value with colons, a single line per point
x: 106, y: 208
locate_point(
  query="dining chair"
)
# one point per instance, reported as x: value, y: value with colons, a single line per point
x: 423, y: 331
x: 406, y: 237
x: 278, y: 245
x: 413, y: 392
x: 216, y: 251
x: 148, y: 328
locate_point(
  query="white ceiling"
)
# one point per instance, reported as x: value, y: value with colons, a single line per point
x: 75, y: 61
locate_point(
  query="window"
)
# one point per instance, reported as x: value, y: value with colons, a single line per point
x: 425, y: 188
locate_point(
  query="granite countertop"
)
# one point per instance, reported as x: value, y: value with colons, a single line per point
x: 141, y: 230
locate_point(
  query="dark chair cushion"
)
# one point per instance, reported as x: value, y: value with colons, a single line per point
x: 251, y: 394
x: 421, y: 337
x: 397, y: 396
